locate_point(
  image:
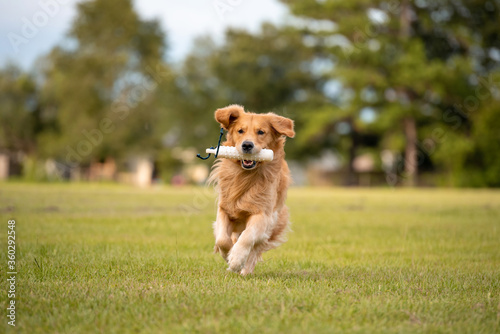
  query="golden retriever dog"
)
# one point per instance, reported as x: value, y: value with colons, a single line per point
x: 251, y: 216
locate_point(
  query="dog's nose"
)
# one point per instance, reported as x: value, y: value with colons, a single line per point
x: 247, y: 146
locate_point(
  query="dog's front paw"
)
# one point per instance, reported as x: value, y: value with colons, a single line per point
x: 245, y: 272
x: 237, y: 259
x: 235, y: 264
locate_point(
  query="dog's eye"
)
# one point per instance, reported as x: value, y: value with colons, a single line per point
x: 260, y: 132
x: 240, y: 131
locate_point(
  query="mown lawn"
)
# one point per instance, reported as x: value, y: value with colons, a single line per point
x: 115, y: 259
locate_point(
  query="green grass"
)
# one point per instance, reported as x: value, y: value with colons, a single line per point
x: 114, y: 259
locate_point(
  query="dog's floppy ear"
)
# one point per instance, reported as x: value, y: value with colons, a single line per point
x: 226, y: 116
x: 282, y: 125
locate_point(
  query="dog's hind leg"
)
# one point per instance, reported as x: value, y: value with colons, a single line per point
x: 234, y: 237
x: 222, y: 231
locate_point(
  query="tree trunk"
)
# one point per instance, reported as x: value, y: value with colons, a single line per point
x: 410, y: 128
x: 352, y: 179
x: 405, y: 19
x: 411, y: 167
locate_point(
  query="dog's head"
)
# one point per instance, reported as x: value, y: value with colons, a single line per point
x: 250, y: 133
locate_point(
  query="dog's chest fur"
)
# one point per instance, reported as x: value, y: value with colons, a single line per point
x: 243, y: 193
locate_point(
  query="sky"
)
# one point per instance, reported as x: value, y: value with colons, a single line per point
x: 31, y: 28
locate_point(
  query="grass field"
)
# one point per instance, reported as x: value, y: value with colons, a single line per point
x: 114, y: 259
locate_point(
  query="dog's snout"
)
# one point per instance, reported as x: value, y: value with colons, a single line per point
x: 247, y: 146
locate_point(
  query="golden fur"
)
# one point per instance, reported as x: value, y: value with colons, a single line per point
x: 251, y: 217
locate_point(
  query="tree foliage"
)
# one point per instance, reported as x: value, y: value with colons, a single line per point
x: 411, y: 63
x: 419, y: 79
x: 100, y: 88
x: 20, y: 117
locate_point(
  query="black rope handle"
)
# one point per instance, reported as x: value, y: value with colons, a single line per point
x: 218, y: 146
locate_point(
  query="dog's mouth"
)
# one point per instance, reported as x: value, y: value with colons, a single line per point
x: 248, y: 164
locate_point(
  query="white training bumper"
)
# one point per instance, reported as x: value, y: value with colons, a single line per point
x: 230, y: 152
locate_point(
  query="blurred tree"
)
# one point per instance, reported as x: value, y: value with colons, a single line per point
x: 266, y: 71
x: 20, y: 117
x: 419, y: 78
x: 192, y: 98
x: 99, y: 88
x: 270, y: 71
x: 468, y: 150
x: 406, y: 65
